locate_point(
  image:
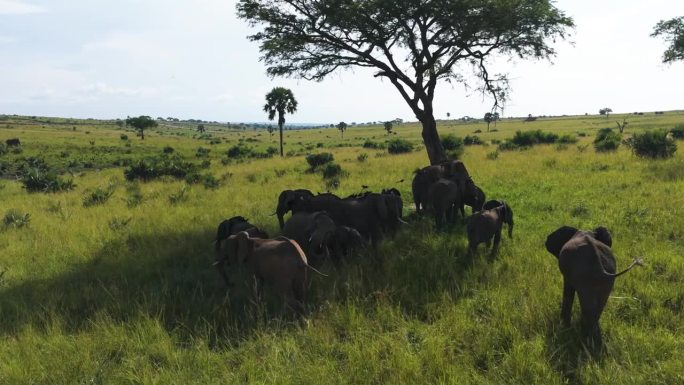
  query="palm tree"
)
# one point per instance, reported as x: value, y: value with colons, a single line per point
x: 280, y: 100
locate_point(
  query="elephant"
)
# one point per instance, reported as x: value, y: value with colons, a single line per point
x: 494, y: 203
x: 445, y: 198
x: 484, y: 225
x: 588, y: 266
x: 473, y: 196
x: 320, y: 237
x: 230, y: 227
x: 287, y: 200
x: 279, y: 262
x: 425, y: 177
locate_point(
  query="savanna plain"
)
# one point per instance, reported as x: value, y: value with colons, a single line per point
x: 111, y: 281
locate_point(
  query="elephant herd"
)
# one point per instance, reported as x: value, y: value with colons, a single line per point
x: 327, y: 227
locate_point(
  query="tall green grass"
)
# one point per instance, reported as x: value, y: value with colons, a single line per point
x: 124, y: 291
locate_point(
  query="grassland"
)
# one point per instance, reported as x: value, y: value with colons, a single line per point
x: 124, y: 292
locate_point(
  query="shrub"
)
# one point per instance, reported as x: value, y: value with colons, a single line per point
x: 152, y: 168
x: 98, y: 197
x: 451, y: 142
x: 472, y: 140
x: 178, y: 197
x: 508, y: 145
x: 653, y: 144
x: 362, y: 157
x: 677, y: 132
x: 316, y: 160
x: 332, y: 170
x: 239, y: 151
x: 209, y: 181
x: 493, y: 155
x: 37, y: 180
x: 272, y: 151
x: 15, y: 218
x: 478, y: 131
x: 567, y: 139
x: 123, y: 137
x: 371, y: 144
x: 529, y: 138
x: 202, y: 152
x: 607, y: 140
x: 168, y: 150
x: 399, y: 146
x: 3, y: 149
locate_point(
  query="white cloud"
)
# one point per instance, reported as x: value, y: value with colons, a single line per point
x: 13, y: 7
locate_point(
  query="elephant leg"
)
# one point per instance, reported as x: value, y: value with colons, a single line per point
x: 497, y: 240
x: 221, y: 269
x: 566, y: 306
x: 592, y: 306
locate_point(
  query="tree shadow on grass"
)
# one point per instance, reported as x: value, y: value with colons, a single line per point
x: 168, y: 277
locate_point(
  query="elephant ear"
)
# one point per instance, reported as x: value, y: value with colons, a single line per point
x: 556, y: 240
x: 602, y: 234
x: 243, y: 247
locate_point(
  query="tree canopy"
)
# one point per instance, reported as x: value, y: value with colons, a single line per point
x: 672, y: 31
x: 141, y: 123
x: 414, y: 44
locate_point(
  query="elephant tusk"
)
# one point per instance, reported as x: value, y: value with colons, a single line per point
x: 273, y: 214
x: 403, y: 222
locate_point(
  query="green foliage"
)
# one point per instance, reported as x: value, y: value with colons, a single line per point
x: 399, y: 146
x: 654, y: 144
x: 202, y: 152
x: 37, y: 180
x: 317, y: 160
x: 239, y: 151
x: 140, y: 123
x: 99, y: 196
x: 493, y: 155
x: 15, y: 218
x: 372, y: 144
x: 566, y: 139
x: 362, y: 157
x: 123, y: 137
x: 607, y: 140
x: 452, y: 142
x: 168, y: 150
x: 156, y: 167
x: 530, y: 138
x: 3, y: 149
x: 179, y: 196
x: 471, y: 140
x: 332, y: 170
x: 672, y: 31
x: 678, y: 131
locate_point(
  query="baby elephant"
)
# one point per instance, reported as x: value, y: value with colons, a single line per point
x: 279, y: 262
x: 588, y: 267
x: 230, y: 227
x: 484, y: 225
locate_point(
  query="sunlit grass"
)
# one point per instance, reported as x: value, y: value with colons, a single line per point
x: 120, y: 293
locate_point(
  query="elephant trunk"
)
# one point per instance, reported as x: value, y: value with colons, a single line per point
x: 510, y: 229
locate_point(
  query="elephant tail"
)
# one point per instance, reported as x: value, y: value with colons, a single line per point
x: 636, y: 262
x: 312, y: 268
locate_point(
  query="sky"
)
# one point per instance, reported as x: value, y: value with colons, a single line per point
x: 192, y: 60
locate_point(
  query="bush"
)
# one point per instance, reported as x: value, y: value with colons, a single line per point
x: 168, y: 150
x: 677, y: 132
x: 653, y: 144
x: 316, y: 160
x: 332, y: 170
x: 451, y: 142
x: 508, y: 145
x: 567, y: 139
x: 529, y: 138
x: 607, y: 140
x: 239, y: 151
x: 98, y: 197
x: 472, y: 140
x: 371, y: 144
x: 493, y: 155
x: 272, y: 151
x: 152, y: 168
x: 362, y: 157
x: 202, y: 152
x: 399, y: 146
x: 37, y: 180
x: 15, y: 218
x: 3, y: 149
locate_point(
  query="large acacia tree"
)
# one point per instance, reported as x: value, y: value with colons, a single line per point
x: 673, y: 32
x: 412, y: 43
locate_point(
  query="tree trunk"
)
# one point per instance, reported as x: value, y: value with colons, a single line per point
x: 431, y: 139
x: 142, y: 134
x: 281, y: 122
